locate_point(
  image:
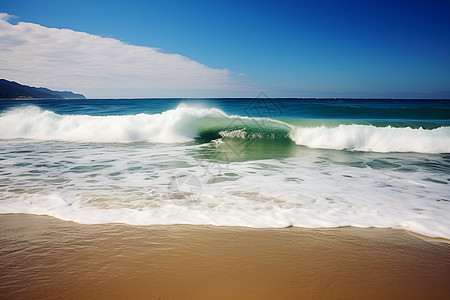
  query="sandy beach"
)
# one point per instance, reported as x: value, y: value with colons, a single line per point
x: 43, y: 257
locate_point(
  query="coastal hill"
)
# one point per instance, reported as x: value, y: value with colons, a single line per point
x: 14, y: 90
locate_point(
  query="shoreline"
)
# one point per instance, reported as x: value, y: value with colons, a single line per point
x: 44, y: 257
x: 237, y: 227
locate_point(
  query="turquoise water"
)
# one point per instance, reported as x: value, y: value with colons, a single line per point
x: 246, y: 162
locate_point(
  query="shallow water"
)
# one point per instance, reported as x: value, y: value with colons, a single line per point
x: 257, y: 163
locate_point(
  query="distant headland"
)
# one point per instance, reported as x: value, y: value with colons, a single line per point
x: 14, y: 90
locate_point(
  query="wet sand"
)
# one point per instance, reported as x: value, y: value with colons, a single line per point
x: 43, y: 257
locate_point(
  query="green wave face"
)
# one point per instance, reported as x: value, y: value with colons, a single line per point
x: 243, y: 128
x: 240, y: 138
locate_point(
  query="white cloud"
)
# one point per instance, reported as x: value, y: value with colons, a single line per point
x: 62, y: 58
x: 5, y: 16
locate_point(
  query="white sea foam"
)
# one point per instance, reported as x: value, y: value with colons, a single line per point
x: 177, y: 125
x: 377, y: 139
x: 312, y: 188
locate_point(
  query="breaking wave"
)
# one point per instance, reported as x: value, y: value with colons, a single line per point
x: 186, y: 123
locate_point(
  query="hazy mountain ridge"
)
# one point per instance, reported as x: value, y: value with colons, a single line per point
x: 14, y: 90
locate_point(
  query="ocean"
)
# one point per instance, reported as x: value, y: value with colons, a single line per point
x: 259, y: 162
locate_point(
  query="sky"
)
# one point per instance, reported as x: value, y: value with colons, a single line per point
x: 138, y: 49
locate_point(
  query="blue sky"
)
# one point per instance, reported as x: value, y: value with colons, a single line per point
x: 285, y: 48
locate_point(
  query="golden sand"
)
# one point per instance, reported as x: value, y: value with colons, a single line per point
x: 46, y: 258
